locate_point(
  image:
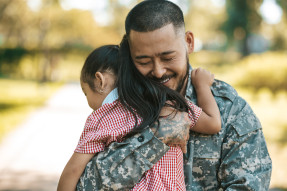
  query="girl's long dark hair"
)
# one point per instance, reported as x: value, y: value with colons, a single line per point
x: 142, y: 95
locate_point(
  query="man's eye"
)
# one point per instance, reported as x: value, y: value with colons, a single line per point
x: 143, y: 63
x: 167, y: 59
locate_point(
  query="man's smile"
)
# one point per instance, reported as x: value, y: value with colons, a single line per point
x: 164, y: 79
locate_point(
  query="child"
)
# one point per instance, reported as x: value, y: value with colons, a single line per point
x: 111, y: 121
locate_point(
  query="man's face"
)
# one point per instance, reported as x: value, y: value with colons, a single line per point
x: 162, y: 55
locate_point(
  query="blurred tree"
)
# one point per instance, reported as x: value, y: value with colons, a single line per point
x: 200, y: 19
x: 71, y: 29
x: 48, y: 34
x: 242, y: 20
x: 118, y: 11
x: 280, y: 39
x: 14, y: 18
x: 283, y: 4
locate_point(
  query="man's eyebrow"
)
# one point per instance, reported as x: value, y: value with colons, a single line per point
x: 159, y: 54
x: 166, y: 52
x: 143, y: 56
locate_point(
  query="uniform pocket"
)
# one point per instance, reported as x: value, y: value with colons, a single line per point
x: 208, y: 146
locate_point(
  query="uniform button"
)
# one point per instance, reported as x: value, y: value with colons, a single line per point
x: 141, y: 138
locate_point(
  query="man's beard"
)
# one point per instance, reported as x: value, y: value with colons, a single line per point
x: 181, y: 83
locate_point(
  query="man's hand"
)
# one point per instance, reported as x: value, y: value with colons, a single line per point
x: 173, y: 129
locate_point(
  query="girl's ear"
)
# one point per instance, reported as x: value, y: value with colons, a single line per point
x: 189, y: 41
x: 100, y: 79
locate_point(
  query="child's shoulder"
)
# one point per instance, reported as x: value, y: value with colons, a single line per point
x: 111, y: 116
x: 110, y: 111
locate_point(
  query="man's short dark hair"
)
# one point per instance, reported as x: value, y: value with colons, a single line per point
x: 150, y: 15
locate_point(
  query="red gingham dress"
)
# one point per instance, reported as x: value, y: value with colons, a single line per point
x: 111, y: 123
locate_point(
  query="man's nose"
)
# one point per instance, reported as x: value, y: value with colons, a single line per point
x: 158, y: 70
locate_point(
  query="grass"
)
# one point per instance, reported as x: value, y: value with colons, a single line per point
x: 18, y: 98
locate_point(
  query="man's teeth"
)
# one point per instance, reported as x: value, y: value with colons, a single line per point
x: 165, y: 80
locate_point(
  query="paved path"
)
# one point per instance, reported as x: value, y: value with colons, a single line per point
x: 33, y: 156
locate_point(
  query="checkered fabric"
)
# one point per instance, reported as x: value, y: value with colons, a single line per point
x: 111, y: 123
x: 193, y: 112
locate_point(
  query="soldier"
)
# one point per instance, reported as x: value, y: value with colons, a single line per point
x: 234, y: 159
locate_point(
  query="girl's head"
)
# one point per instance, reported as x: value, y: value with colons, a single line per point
x: 98, y: 75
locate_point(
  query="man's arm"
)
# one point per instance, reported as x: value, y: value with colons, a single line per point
x: 246, y: 164
x: 121, y: 165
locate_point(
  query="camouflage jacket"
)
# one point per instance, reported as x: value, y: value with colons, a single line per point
x: 234, y: 159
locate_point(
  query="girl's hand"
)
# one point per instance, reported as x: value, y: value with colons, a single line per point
x: 201, y: 78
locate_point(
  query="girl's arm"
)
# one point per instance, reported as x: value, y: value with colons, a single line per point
x: 73, y: 171
x: 209, y: 121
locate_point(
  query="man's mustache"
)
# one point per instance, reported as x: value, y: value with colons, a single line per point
x: 162, y: 78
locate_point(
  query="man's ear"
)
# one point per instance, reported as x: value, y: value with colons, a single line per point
x: 100, y: 80
x: 189, y: 41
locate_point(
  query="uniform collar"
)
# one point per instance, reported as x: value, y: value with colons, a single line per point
x: 190, y: 92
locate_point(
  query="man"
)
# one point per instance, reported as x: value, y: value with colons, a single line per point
x: 234, y: 159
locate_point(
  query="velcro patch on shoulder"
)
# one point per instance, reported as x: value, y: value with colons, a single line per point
x: 222, y: 89
x: 246, y: 121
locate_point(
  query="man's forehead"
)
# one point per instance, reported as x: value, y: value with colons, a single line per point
x: 167, y: 30
x: 158, y: 45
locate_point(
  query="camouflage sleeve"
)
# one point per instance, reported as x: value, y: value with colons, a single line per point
x: 122, y: 165
x: 246, y: 164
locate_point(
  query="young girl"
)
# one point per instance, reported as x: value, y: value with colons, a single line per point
x: 111, y: 121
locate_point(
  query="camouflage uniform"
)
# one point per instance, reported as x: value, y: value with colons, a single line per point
x: 234, y: 159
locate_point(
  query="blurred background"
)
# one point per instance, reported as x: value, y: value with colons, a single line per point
x: 43, y: 45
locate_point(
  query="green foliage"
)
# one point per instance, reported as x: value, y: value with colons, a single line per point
x: 243, y: 19
x: 58, y: 65
x: 53, y: 33
x: 255, y: 72
x: 9, y: 58
x: 268, y: 70
x: 283, y: 4
x: 214, y: 61
x: 11, y: 55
